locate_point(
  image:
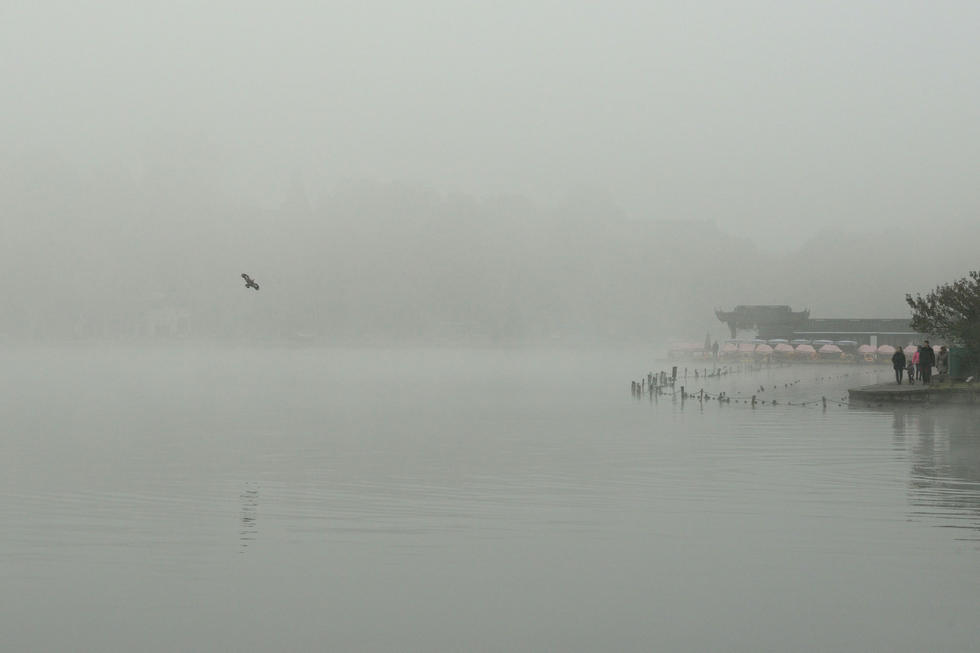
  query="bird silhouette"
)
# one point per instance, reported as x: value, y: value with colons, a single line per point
x: 248, y: 282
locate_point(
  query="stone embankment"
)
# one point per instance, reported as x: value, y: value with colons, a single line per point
x: 939, y: 393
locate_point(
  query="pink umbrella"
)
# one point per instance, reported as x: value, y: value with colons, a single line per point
x: 866, y: 349
x: 763, y: 349
x: 909, y: 350
x: 805, y: 349
x: 729, y: 347
x: 747, y: 347
x: 784, y: 347
x: 830, y: 349
x: 887, y: 350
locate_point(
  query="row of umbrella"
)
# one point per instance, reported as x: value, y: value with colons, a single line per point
x: 782, y: 347
x: 888, y: 350
x: 786, y: 348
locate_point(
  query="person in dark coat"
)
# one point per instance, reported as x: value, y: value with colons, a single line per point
x: 898, y: 362
x: 927, y: 358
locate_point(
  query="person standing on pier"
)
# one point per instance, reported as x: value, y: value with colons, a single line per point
x: 927, y: 358
x: 898, y: 362
x: 942, y: 361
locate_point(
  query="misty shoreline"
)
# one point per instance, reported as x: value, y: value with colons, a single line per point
x: 382, y: 262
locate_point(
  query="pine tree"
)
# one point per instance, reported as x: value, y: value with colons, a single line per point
x: 951, y: 311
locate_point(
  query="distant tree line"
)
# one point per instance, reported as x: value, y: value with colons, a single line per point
x: 99, y: 254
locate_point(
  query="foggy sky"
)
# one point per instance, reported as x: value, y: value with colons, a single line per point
x: 768, y: 112
x: 776, y: 122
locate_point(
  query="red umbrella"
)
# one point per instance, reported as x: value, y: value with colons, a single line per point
x: 784, y: 347
x: 866, y: 349
x: 830, y: 349
x: 805, y: 349
x: 887, y: 350
x: 763, y: 349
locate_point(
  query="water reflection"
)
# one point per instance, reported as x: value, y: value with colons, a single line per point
x: 944, y: 450
x: 248, y: 530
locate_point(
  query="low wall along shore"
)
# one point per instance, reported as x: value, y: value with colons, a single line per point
x: 939, y: 392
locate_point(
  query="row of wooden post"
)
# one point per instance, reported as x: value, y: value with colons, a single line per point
x: 656, y: 385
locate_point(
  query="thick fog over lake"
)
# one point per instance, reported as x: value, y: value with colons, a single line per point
x: 471, y: 228
x: 493, y: 172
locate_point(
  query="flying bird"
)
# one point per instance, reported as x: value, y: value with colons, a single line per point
x: 248, y: 282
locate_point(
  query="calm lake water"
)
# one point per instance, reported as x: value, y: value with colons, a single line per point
x: 454, y: 500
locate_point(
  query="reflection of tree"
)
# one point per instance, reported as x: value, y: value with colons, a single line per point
x: 249, y: 529
x: 945, y: 479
